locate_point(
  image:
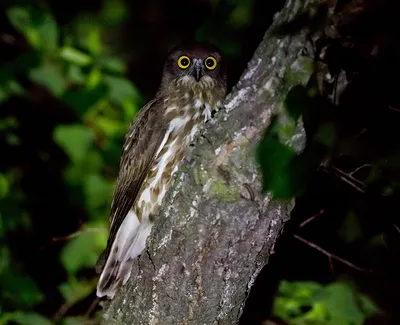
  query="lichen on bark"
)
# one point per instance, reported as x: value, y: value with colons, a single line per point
x: 216, y: 229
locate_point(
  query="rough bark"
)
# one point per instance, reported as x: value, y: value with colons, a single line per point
x: 217, y: 230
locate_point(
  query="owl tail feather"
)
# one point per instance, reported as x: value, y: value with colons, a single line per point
x: 108, y: 283
x: 128, y: 244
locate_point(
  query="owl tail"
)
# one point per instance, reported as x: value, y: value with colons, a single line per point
x: 128, y: 244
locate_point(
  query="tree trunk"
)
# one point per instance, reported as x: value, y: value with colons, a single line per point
x: 216, y: 229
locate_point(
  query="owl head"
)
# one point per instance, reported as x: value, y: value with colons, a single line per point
x: 195, y: 64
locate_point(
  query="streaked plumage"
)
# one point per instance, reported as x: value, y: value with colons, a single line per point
x: 193, y: 85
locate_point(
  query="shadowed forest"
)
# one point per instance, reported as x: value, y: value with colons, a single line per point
x: 73, y: 75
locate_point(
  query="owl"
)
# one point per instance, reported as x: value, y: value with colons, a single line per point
x: 193, y: 85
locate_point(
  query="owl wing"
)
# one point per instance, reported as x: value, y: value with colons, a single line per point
x: 140, y: 146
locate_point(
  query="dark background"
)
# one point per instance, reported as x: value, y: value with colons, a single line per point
x: 62, y: 122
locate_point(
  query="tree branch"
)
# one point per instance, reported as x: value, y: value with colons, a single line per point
x: 216, y: 229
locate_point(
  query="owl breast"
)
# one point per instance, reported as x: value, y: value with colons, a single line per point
x: 182, y: 127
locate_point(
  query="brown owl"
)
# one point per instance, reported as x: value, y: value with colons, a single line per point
x: 192, y: 86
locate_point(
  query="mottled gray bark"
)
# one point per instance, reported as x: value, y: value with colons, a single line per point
x: 217, y: 230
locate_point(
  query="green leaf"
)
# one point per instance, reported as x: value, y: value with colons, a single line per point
x: 3, y: 95
x: 75, y: 74
x: 94, y: 163
x: 111, y: 153
x: 342, y: 305
x: 98, y: 191
x: 11, y: 206
x: 75, y: 56
x: 297, y: 101
x: 83, y: 100
x: 94, y: 78
x: 74, y: 290
x: 14, y: 88
x: 115, y: 12
x: 21, y: 65
x: 8, y: 123
x: 350, y: 230
x: 75, y: 140
x: 48, y: 31
x: 112, y: 128
x: 299, y: 73
x: 4, y: 252
x: 91, y: 164
x: 326, y: 134
x: 312, y: 303
x: 368, y: 306
x: 94, y: 41
x: 83, y: 251
x: 49, y: 75
x: 19, y: 288
x: 10, y: 87
x: 293, y: 297
x: 19, y: 18
x: 24, y: 318
x: 3, y: 186
x: 130, y: 109
x: 38, y: 26
x: 111, y: 64
x: 120, y: 89
x: 275, y: 159
x: 242, y: 14
x: 300, y: 290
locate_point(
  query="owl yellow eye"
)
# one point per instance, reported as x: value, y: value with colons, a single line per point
x: 210, y: 63
x: 183, y: 62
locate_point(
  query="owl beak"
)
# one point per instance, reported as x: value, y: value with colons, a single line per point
x: 198, y: 69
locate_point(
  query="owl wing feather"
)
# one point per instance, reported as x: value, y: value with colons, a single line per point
x: 143, y: 139
x: 140, y: 146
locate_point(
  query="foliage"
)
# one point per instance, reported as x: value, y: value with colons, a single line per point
x: 307, y: 303
x: 79, y: 70
x: 286, y: 171
x: 346, y: 180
